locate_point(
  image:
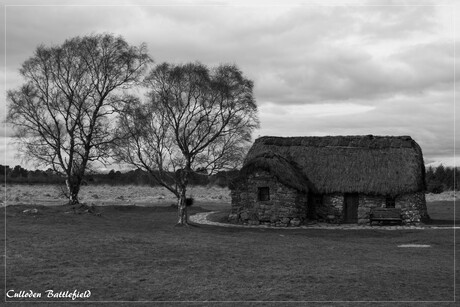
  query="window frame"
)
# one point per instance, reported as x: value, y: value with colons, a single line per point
x: 263, y: 193
x: 390, y: 202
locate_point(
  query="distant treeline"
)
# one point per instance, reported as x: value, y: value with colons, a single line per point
x: 438, y: 179
x: 137, y: 177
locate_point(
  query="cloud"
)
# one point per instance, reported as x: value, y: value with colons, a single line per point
x: 391, y: 21
x: 9, y: 153
x: 342, y: 75
x: 429, y: 120
x: 376, y: 69
x: 29, y: 26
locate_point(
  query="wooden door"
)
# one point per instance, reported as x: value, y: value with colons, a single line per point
x: 350, y: 209
x: 314, y: 201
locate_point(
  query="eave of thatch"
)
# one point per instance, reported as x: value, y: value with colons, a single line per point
x: 351, y: 164
x: 286, y: 172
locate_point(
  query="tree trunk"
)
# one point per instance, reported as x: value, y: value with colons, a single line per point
x: 182, y: 209
x: 73, y: 188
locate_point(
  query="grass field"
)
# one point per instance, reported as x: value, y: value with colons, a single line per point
x: 133, y: 253
x: 108, y: 195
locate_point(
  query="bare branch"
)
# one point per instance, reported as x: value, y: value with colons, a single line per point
x: 61, y: 114
x: 194, y: 118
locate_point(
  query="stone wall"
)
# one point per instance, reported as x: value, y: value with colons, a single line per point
x: 332, y: 206
x: 413, y: 207
x: 286, y: 207
x: 366, y: 202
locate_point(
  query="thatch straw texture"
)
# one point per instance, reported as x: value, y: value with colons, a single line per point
x: 384, y: 165
x: 285, y: 171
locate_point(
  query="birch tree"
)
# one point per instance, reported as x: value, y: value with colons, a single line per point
x: 194, y: 118
x: 62, y: 113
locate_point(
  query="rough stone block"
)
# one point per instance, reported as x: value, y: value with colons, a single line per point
x: 285, y: 220
x: 244, y: 216
x: 232, y: 217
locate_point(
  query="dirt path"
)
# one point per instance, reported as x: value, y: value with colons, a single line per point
x: 202, y: 218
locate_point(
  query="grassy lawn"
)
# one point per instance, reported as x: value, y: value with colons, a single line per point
x: 443, y: 213
x: 135, y: 254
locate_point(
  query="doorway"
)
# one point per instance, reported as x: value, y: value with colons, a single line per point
x: 314, y: 201
x: 350, y: 210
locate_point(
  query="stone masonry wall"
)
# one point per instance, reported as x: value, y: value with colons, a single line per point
x: 366, y: 202
x: 286, y: 207
x: 413, y: 207
x: 332, y: 206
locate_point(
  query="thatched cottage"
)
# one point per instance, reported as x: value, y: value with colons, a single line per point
x: 288, y: 181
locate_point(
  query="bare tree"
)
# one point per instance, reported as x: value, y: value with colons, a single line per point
x: 62, y: 113
x: 195, y: 118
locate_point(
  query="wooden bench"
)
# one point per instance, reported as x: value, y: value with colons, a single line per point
x: 385, y: 215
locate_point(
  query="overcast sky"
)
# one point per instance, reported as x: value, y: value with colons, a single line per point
x: 361, y: 69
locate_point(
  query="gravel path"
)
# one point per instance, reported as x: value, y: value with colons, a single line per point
x: 202, y: 218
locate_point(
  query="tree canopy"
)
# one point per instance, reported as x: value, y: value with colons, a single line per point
x: 62, y: 113
x: 195, y: 119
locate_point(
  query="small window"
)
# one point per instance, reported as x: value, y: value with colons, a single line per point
x: 264, y: 194
x: 390, y: 202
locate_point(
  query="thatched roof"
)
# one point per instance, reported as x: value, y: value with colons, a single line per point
x: 285, y: 171
x: 369, y: 164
